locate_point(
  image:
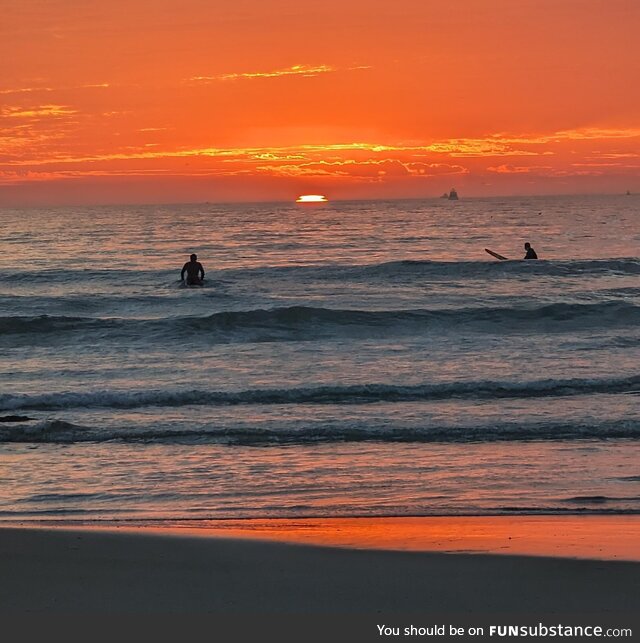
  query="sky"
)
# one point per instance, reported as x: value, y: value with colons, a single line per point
x: 143, y: 101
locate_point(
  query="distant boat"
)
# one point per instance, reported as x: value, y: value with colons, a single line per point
x: 628, y: 193
x: 445, y: 195
x: 453, y: 195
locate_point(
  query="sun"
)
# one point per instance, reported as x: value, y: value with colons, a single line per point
x: 312, y: 198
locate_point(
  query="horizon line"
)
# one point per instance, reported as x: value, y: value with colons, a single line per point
x: 292, y: 201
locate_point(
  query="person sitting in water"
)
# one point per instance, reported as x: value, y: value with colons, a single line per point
x: 194, y: 270
x: 531, y: 253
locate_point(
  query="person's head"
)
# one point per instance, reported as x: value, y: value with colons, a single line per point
x: 527, y: 245
x: 194, y: 257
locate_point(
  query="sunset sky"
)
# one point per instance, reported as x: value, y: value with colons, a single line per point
x: 232, y: 100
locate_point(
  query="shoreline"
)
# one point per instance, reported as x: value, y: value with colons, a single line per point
x: 590, y: 537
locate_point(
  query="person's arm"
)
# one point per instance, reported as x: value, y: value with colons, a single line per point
x: 201, y: 271
x: 184, y: 269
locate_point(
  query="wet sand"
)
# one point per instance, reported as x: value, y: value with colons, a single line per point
x: 592, y: 537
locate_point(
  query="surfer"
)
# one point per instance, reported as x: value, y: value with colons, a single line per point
x: 531, y: 253
x: 194, y: 270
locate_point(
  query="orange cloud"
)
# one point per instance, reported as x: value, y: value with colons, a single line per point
x: 368, y: 169
x: 308, y: 71
x: 617, y: 155
x: 32, y: 90
x: 37, y: 112
x: 45, y: 151
x: 517, y: 169
x: 25, y: 90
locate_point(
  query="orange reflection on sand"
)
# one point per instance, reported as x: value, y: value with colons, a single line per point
x: 595, y: 537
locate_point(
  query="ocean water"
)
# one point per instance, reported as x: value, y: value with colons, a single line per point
x: 348, y: 359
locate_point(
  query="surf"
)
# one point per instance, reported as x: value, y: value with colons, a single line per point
x: 55, y: 431
x: 336, y: 394
x: 299, y: 323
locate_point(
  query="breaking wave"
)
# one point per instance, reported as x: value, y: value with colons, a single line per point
x: 303, y: 322
x: 61, y: 432
x: 354, y: 394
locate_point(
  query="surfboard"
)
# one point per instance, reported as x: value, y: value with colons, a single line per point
x: 496, y: 255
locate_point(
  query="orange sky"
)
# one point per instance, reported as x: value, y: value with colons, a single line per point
x: 167, y: 100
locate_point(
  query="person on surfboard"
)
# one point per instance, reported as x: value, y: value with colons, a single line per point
x: 531, y: 253
x: 194, y: 270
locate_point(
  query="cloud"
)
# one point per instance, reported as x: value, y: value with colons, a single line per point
x: 589, y: 133
x: 32, y: 90
x: 370, y: 169
x: 25, y: 147
x: 518, y: 169
x: 307, y: 71
x: 615, y: 155
x: 37, y: 111
x: 14, y: 177
x: 25, y: 90
x: 574, y: 169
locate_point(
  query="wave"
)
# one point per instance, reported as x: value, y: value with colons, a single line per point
x: 600, y: 500
x: 389, y: 269
x: 299, y: 323
x: 80, y: 275
x: 61, y: 432
x: 481, y: 269
x: 354, y: 394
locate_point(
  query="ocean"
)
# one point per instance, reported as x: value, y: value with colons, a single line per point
x: 344, y: 359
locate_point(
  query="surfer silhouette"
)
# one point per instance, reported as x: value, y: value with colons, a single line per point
x: 194, y: 270
x: 531, y: 253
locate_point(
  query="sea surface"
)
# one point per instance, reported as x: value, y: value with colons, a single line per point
x: 348, y: 359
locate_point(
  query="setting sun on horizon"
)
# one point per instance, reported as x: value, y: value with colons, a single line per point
x: 132, y: 102
x: 312, y: 198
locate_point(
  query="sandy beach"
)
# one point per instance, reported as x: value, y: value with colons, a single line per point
x: 172, y: 571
